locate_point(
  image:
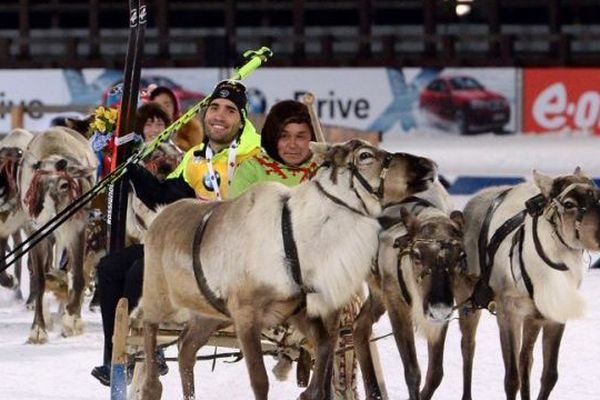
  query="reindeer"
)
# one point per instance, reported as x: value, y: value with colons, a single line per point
x: 58, y: 167
x: 526, y: 243
x: 12, y: 216
x: 224, y: 263
x: 419, y: 267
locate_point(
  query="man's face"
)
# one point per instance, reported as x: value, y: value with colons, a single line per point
x: 292, y: 145
x: 222, y: 121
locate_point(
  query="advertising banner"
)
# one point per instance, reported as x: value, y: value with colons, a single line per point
x: 387, y: 100
x: 396, y: 101
x: 561, y: 99
x: 88, y: 87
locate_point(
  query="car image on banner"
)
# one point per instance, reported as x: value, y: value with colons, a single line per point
x: 462, y: 101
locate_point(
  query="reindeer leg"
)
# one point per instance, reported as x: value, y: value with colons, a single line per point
x: 435, y: 364
x: 72, y: 323
x: 197, y: 332
x: 371, y: 311
x: 468, y: 321
x: 322, y: 334
x: 6, y: 280
x: 510, y: 337
x: 552, y: 337
x: 248, y: 334
x: 152, y: 388
x: 38, y: 264
x: 531, y: 330
x: 16, y: 237
x: 400, y: 318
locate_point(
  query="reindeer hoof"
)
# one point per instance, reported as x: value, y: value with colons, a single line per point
x: 37, y: 335
x: 72, y: 325
x: 304, y: 396
x: 152, y: 390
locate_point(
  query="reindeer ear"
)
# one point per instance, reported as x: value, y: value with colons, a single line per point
x: 458, y: 218
x: 409, y: 221
x: 579, y: 172
x: 543, y: 182
x: 320, y: 152
x: 80, y: 125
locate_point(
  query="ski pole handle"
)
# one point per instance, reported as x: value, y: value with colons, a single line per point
x: 255, y: 59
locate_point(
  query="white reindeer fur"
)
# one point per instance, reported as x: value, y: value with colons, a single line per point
x: 246, y: 249
x: 349, y: 242
x: 556, y: 293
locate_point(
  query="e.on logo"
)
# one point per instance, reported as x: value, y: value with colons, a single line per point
x: 561, y: 99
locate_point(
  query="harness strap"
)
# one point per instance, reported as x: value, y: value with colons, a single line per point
x: 289, y: 246
x: 540, y: 250
x: 524, y: 275
x: 216, y: 302
x: 402, y: 283
x: 484, y: 263
x: 517, y: 242
x: 385, y: 166
x: 483, y: 295
x: 413, y: 201
x: 336, y: 200
x: 501, y: 233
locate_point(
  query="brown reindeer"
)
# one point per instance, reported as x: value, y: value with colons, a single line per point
x: 527, y: 243
x: 418, y: 267
x: 12, y: 216
x: 58, y: 167
x: 271, y: 255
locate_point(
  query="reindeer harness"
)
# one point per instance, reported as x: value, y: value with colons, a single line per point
x: 289, y: 244
x: 408, y: 246
x: 535, y: 207
x: 33, y: 193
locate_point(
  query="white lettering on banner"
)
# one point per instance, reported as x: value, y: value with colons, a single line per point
x: 551, y: 101
x: 552, y: 108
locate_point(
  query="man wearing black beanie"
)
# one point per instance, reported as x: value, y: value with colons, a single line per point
x: 205, y: 172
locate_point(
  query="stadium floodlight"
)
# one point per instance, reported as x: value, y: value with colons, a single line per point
x: 463, y: 7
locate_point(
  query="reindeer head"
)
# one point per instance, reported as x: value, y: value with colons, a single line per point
x: 435, y: 250
x: 374, y: 173
x: 56, y: 182
x: 572, y: 205
x: 163, y: 160
x: 10, y: 158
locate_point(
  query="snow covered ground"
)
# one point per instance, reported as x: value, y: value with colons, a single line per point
x: 61, y: 368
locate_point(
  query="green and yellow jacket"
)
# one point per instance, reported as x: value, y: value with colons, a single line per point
x: 188, y: 179
x: 262, y: 168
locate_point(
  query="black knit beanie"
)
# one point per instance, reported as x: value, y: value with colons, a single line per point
x: 281, y: 114
x: 233, y: 91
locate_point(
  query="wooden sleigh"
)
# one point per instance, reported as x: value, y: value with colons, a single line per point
x: 128, y: 343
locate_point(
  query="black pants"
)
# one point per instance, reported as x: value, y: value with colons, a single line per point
x: 120, y: 274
